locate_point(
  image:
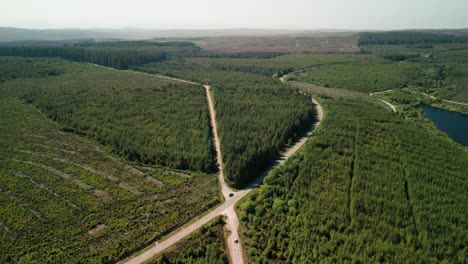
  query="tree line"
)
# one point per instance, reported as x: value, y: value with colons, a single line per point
x: 119, y: 55
x: 407, y: 37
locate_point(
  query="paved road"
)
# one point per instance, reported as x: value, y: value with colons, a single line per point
x: 227, y: 208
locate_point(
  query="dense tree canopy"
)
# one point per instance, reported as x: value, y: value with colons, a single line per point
x: 407, y: 37
x: 257, y: 115
x: 120, y: 55
x: 369, y: 187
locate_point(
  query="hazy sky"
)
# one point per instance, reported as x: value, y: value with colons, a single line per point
x: 218, y: 14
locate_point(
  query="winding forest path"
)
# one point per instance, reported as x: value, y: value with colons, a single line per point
x: 393, y: 107
x: 425, y: 94
x: 227, y: 208
x: 453, y: 102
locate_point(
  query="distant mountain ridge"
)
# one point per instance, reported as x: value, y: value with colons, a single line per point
x: 8, y: 34
x: 11, y: 34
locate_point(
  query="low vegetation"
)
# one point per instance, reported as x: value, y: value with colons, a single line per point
x: 206, y: 246
x: 15, y: 67
x: 65, y: 198
x: 367, y: 188
x: 376, y: 76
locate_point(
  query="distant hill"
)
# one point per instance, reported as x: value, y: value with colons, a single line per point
x: 406, y: 37
x: 20, y: 34
x: 8, y: 34
x: 457, y: 32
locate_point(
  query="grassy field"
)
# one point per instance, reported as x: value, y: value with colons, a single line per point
x: 124, y: 111
x: 369, y: 187
x: 207, y: 245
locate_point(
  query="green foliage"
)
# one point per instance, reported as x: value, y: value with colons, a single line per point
x: 458, y: 76
x: 367, y: 188
x: 120, y: 54
x: 451, y: 59
x: 278, y: 66
x: 256, y: 115
x: 376, y: 76
x: 407, y: 37
x: 63, y: 198
x: 14, y: 68
x: 207, y: 245
x: 140, y: 117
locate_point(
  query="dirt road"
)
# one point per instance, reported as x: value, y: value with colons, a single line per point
x: 382, y: 92
x: 225, y: 189
x: 393, y: 107
x: 232, y: 222
x: 227, y: 208
x: 453, y: 102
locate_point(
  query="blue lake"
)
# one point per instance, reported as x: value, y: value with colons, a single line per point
x: 453, y: 123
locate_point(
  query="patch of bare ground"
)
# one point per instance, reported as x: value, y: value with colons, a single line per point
x: 183, y: 175
x: 135, y: 172
x: 154, y: 181
x: 96, y: 230
x: 102, y: 195
x: 325, y: 44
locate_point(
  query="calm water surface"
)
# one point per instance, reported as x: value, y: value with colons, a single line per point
x: 453, y: 123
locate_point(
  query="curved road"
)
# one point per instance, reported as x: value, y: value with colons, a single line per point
x: 284, y: 79
x: 227, y: 208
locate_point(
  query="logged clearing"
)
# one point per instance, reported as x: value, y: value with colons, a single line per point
x: 281, y: 44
